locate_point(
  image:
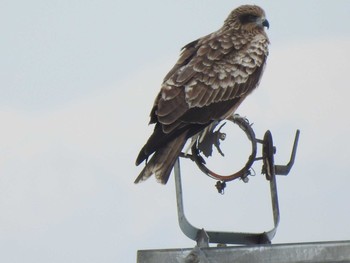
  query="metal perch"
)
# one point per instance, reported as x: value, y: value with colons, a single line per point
x: 268, y: 168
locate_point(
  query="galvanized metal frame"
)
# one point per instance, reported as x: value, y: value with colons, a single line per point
x: 269, y: 169
x: 192, y: 232
x: 315, y: 252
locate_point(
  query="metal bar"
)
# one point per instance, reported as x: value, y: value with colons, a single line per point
x: 285, y: 169
x: 186, y: 227
x: 316, y: 252
x: 214, y: 236
x: 275, y: 207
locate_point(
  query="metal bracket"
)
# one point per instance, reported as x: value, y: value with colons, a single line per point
x: 243, y: 173
x: 269, y: 169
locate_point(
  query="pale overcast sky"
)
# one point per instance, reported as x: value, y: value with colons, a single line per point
x: 77, y: 82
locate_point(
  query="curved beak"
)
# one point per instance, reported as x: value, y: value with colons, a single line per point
x: 266, y: 24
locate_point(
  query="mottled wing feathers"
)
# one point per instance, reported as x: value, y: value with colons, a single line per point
x: 210, y: 70
x: 206, y: 96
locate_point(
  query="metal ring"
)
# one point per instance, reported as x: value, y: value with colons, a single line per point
x: 245, y: 171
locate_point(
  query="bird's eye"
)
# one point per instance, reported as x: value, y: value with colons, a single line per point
x: 248, y: 18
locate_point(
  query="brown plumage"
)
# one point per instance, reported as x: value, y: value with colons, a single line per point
x: 213, y: 75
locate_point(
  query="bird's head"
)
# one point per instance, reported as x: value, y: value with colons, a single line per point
x: 248, y: 18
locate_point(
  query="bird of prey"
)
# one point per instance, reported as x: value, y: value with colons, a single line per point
x: 213, y: 75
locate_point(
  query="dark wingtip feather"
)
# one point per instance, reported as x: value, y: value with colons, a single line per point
x: 145, y: 173
x: 163, y: 160
x: 141, y: 157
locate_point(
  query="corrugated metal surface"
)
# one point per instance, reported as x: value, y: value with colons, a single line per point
x: 320, y: 252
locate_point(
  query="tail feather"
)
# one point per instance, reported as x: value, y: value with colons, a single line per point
x: 163, y: 161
